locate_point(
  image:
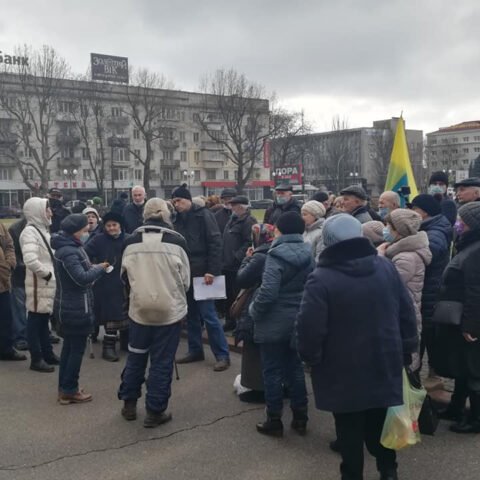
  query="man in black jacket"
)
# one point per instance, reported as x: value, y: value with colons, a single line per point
x: 236, y: 240
x: 199, y: 228
x: 438, y: 186
x: 55, y: 201
x: 284, y: 202
x: 223, y: 215
x: 133, y: 212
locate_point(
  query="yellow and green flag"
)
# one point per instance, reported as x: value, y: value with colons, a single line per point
x: 400, y: 173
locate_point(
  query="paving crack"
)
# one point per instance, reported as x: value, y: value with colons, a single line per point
x: 11, y: 468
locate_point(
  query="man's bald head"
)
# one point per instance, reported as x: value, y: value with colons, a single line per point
x: 390, y: 200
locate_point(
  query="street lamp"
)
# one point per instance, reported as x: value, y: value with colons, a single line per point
x: 188, y: 176
x: 70, y: 174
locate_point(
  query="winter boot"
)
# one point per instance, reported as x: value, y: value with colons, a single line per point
x: 390, y: 475
x: 124, y: 340
x: 52, y: 359
x: 154, y: 419
x: 299, y: 421
x: 470, y: 423
x: 129, y: 410
x: 455, y: 411
x: 108, y: 352
x: 272, y: 426
x: 41, y: 366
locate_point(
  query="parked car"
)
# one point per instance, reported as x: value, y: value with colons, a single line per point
x: 10, y: 212
x: 261, y: 204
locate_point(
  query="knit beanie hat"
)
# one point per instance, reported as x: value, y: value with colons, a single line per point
x: 427, y: 203
x: 113, y: 216
x: 314, y: 208
x: 470, y: 214
x: 373, y: 231
x: 157, y: 209
x: 88, y: 210
x: 320, y: 196
x: 74, y: 223
x: 405, y: 222
x: 290, y: 222
x: 339, y: 228
x: 438, y: 177
x: 182, y: 192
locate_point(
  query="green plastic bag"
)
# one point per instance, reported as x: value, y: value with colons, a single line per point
x: 400, y: 429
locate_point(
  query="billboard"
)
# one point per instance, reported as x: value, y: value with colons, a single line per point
x: 109, y: 68
x: 291, y: 174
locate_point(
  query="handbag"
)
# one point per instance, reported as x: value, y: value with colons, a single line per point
x: 448, y: 312
x: 240, y: 302
x: 428, y: 418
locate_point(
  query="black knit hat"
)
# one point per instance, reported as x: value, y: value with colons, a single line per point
x: 320, y: 196
x: 113, y: 217
x: 74, y: 223
x: 438, y: 177
x: 290, y: 222
x: 470, y: 214
x: 427, y: 203
x: 182, y: 192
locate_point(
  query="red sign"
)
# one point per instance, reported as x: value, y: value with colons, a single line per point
x: 266, y: 153
x: 289, y: 174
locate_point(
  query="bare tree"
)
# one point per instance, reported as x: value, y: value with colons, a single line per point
x: 30, y: 94
x: 239, y: 106
x: 382, y: 149
x: 148, y: 109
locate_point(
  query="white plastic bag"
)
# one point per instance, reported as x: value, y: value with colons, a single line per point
x: 238, y: 387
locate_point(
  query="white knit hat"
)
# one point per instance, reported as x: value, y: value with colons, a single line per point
x: 314, y: 208
x: 88, y: 210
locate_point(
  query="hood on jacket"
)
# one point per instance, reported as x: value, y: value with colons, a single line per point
x: 355, y: 257
x: 60, y: 240
x: 293, y: 250
x: 440, y: 224
x: 35, y: 211
x: 417, y: 243
x: 317, y: 224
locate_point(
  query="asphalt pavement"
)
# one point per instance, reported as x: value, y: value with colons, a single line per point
x: 212, y: 435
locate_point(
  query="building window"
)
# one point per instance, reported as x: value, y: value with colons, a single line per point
x: 29, y: 173
x: 434, y: 152
x: 183, y: 156
x: 196, y: 137
x: 122, y: 155
x: 465, y: 162
x: 167, y: 174
x: 236, y: 174
x: 196, y: 117
x: 87, y: 174
x: 477, y: 138
x: 116, y: 112
x: 211, y: 174
x: 466, y: 139
x: 136, y: 133
x: 196, y: 156
x: 465, y: 150
x: 167, y: 155
x: 5, y: 173
x: 120, y: 173
x: 477, y: 149
x: 138, y: 174
x: 226, y: 174
x: 182, y: 116
x: 85, y: 155
x: 455, y: 140
x: 181, y: 136
x: 434, y: 141
x: 67, y: 152
x: 196, y: 175
x: 65, y: 107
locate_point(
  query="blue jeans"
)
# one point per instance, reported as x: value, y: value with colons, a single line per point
x: 19, y: 313
x: 38, y: 336
x: 205, y: 313
x: 73, y: 349
x: 282, y: 366
x: 160, y: 344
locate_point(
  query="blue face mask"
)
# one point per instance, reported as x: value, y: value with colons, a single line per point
x: 84, y: 237
x: 383, y: 212
x: 282, y: 200
x: 436, y: 190
x: 387, y: 235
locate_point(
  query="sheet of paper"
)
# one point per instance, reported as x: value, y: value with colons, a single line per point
x: 215, y: 291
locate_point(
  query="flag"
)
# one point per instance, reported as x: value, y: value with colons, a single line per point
x: 400, y: 173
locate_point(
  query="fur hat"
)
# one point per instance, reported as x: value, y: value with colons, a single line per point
x: 157, y: 209
x: 112, y: 216
x: 314, y: 208
x: 406, y: 222
x: 74, y: 223
x: 438, y: 177
x: 470, y: 214
x: 339, y: 228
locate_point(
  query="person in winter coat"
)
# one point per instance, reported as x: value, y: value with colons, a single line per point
x: 313, y: 214
x: 133, y: 212
x: 7, y: 265
x: 236, y: 240
x: 59, y: 212
x: 440, y: 236
x: 284, y: 202
x: 156, y: 272
x: 95, y: 225
x: 119, y: 204
x: 40, y: 282
x: 456, y: 348
x: 356, y: 347
x: 355, y: 200
x: 73, y: 303
x: 200, y: 230
x: 438, y: 187
x: 273, y: 310
x: 408, y: 249
x: 109, y: 290
x: 222, y: 215
x: 327, y: 201
x: 249, y: 276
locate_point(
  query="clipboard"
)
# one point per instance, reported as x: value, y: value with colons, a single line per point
x: 215, y: 291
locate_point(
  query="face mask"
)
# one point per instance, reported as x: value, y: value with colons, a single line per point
x: 383, y: 212
x: 387, y: 235
x: 84, y: 237
x: 436, y: 189
x: 459, y: 227
x: 282, y: 200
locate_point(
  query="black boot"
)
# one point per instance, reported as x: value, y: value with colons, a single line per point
x: 154, y: 419
x: 390, y: 475
x: 299, y: 421
x: 124, y: 340
x: 272, y: 426
x: 470, y: 423
x: 108, y: 353
x: 52, y: 359
x: 455, y: 410
x: 41, y: 366
x: 129, y: 410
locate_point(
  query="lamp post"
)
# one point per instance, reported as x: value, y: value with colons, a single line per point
x: 353, y: 176
x: 188, y: 177
x: 70, y: 174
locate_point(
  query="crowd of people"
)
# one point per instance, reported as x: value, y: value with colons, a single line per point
x: 349, y: 293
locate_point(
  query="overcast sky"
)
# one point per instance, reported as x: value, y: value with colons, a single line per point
x: 361, y: 59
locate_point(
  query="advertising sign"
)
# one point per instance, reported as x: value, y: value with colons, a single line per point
x: 109, y: 68
x: 288, y: 174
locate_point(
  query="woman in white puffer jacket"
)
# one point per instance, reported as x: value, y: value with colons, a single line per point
x: 313, y: 214
x: 39, y: 282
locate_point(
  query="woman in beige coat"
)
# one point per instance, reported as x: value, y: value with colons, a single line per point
x: 408, y: 249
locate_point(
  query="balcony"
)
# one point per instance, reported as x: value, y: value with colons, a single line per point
x: 65, y: 139
x: 8, y: 140
x: 66, y: 117
x: 120, y: 121
x: 6, y: 161
x: 169, y: 144
x: 170, y: 164
x: 73, y: 162
x: 119, y: 141
x: 211, y: 145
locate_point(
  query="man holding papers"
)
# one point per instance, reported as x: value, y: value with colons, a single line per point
x: 199, y: 228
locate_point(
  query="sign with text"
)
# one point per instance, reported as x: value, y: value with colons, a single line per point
x: 109, y: 68
x: 288, y: 174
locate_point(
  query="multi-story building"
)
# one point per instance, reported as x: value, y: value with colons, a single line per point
x: 349, y: 156
x: 453, y: 149
x: 96, y: 146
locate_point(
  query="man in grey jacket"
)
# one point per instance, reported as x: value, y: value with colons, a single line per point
x: 355, y: 203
